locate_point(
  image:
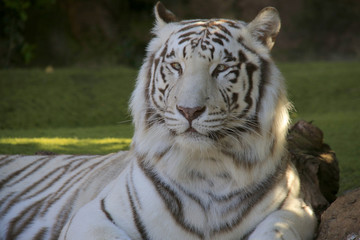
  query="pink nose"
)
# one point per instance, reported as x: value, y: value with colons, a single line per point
x: 191, y: 113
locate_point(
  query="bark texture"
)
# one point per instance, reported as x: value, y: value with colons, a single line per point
x: 316, y: 163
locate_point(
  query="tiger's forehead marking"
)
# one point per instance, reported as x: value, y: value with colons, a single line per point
x: 215, y: 30
x: 211, y: 23
x: 206, y: 36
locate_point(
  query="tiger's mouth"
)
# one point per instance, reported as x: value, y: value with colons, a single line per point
x: 192, y: 133
x: 191, y: 130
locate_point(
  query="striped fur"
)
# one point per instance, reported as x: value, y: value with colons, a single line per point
x: 207, y: 159
x: 39, y: 193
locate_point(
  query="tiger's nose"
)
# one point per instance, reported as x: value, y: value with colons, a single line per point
x: 191, y: 113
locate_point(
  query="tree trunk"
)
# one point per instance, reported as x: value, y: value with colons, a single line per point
x: 317, y: 165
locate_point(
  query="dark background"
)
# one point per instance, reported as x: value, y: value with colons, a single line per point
x: 38, y: 33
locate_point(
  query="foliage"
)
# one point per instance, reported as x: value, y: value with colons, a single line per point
x: 110, y: 32
x: 14, y: 20
x: 330, y: 27
x: 19, y: 6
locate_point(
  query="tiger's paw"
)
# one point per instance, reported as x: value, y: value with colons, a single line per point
x: 282, y: 232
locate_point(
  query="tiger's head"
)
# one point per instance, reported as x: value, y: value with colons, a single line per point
x: 210, y: 83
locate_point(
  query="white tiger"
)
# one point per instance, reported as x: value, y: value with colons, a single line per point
x: 208, y: 156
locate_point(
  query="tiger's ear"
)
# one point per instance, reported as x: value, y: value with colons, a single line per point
x: 163, y: 15
x: 266, y: 26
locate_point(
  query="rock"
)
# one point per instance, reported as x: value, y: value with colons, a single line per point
x: 341, y: 221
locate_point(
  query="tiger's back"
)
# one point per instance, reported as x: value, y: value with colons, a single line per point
x: 38, y: 194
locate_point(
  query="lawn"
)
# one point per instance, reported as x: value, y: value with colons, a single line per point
x: 78, y: 107
x: 84, y: 111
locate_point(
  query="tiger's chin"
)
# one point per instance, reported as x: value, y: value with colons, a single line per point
x: 192, y: 139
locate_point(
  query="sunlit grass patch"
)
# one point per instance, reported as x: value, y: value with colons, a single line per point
x: 63, y: 145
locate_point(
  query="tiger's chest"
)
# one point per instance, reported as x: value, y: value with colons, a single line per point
x: 162, y: 208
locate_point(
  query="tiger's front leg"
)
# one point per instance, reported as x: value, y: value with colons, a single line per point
x: 294, y: 221
x: 90, y: 223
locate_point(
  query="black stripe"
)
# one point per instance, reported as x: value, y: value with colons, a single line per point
x: 148, y: 112
x: 41, y: 233
x: 252, y: 197
x: 68, y: 227
x: 224, y: 29
x: 225, y: 97
x: 218, y: 40
x: 133, y: 186
x: 106, y: 213
x: 171, y: 54
x: 170, y: 198
x: 184, y: 40
x: 221, y: 36
x: 240, y: 41
x: 250, y: 68
x: 66, y: 186
x: 22, y: 195
x: 4, y: 199
x: 229, y: 56
x: 51, y: 198
x: 192, y: 26
x: 236, y: 73
x: 248, y: 98
x: 231, y: 24
x: 160, y: 155
x: 26, y: 217
x: 15, y: 174
x: 153, y: 88
x: 6, y: 159
x: 84, y: 160
x: 214, y: 120
x: 184, y: 52
x: 234, y: 98
x: 162, y: 91
x: 242, y: 57
x: 188, y: 34
x: 243, y: 163
x: 163, y: 76
x: 136, y: 217
x: 193, y: 197
x: 264, y: 80
x: 63, y: 216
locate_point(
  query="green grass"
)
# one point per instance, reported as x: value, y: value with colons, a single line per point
x: 81, y: 107
x: 80, y: 140
x: 32, y: 98
x: 80, y: 104
x: 328, y: 93
x: 67, y: 145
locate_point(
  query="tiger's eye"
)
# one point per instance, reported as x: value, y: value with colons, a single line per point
x: 221, y: 67
x: 176, y: 66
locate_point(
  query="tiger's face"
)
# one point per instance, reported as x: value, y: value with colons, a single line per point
x: 205, y: 82
x: 208, y: 79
